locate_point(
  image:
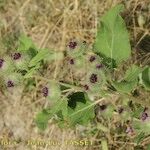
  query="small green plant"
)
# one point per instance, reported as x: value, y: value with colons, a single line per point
x: 74, y: 102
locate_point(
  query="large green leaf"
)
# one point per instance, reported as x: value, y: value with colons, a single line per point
x: 81, y: 109
x: 112, y: 38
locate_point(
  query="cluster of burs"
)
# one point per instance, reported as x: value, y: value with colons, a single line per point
x: 12, y: 68
x: 80, y: 59
x: 87, y: 65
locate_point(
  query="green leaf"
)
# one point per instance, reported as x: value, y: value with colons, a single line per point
x: 32, y: 71
x: 60, y: 105
x: 112, y: 38
x: 25, y: 43
x: 129, y: 81
x: 42, y: 119
x: 124, y: 87
x: 132, y: 73
x: 42, y: 54
x: 146, y: 78
x: 81, y: 109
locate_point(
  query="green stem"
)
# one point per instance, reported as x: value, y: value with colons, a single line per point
x: 61, y: 83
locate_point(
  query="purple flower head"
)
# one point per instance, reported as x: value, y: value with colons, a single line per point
x: 84, y: 42
x: 98, y: 66
x: 86, y: 87
x: 1, y: 63
x: 129, y: 130
x: 92, y: 58
x: 10, y: 83
x: 72, y: 44
x: 103, y: 107
x: 93, y: 78
x: 120, y: 110
x: 144, y: 116
x: 72, y: 61
x: 45, y: 91
x: 16, y: 56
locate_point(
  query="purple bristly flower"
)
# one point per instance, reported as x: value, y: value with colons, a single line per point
x: 103, y: 107
x: 120, y: 110
x: 92, y: 58
x: 84, y: 42
x: 144, y: 116
x: 72, y: 44
x: 72, y: 61
x: 93, y: 78
x: 129, y: 130
x: 98, y: 66
x: 1, y: 63
x: 86, y: 87
x: 16, y: 56
x: 10, y: 83
x: 45, y: 91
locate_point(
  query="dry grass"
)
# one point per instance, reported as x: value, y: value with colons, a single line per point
x: 51, y: 24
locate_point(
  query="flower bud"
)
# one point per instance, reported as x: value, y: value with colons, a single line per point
x: 45, y: 91
x: 16, y: 56
x: 99, y: 66
x: 86, y: 87
x: 71, y: 61
x: 72, y: 44
x: 130, y: 130
x: 12, y: 80
x: 10, y: 83
x: 93, y: 78
x: 75, y: 48
x: 1, y: 63
x: 52, y: 91
x: 92, y: 58
x: 21, y: 61
x: 144, y: 116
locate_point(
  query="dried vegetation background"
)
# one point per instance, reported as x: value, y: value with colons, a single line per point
x: 51, y: 24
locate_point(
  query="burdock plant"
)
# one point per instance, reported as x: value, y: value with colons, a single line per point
x: 95, y: 67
